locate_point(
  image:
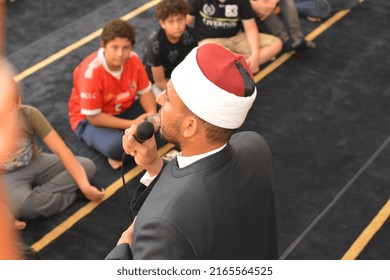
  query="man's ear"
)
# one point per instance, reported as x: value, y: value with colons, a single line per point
x: 191, y: 126
x: 102, y: 44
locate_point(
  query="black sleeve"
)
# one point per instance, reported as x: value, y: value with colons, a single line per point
x: 142, y: 192
x: 246, y: 11
x: 160, y: 240
x: 120, y: 252
x: 194, y: 6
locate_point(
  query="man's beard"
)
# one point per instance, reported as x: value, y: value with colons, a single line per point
x: 170, y: 133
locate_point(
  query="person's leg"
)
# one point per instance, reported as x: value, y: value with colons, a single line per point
x: 337, y: 5
x: 54, y: 189
x: 313, y: 8
x: 270, y: 46
x: 132, y: 113
x: 18, y: 184
x: 8, y: 213
x: 44, y: 187
x: 107, y: 141
x: 52, y: 177
x: 276, y: 27
x: 220, y: 41
x: 291, y: 18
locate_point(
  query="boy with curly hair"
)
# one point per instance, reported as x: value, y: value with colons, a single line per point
x: 105, y: 86
x: 166, y: 47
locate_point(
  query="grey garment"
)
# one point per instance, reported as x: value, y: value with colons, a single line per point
x: 219, y: 207
x: 323, y: 8
x: 287, y: 24
x: 120, y: 252
x: 314, y: 8
x: 338, y: 5
x: 44, y: 187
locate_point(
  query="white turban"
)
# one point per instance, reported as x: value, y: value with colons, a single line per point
x: 216, y: 85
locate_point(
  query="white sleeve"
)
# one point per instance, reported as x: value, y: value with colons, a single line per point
x: 147, y: 179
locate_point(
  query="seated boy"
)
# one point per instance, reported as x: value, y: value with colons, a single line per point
x: 39, y: 183
x: 232, y: 25
x: 166, y: 47
x: 105, y: 86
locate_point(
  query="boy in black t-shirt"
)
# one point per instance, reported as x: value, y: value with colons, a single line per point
x: 166, y: 47
x: 231, y: 23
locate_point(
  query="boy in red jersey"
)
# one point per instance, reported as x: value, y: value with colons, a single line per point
x: 105, y: 85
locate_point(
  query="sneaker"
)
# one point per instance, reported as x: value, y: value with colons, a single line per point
x: 308, y: 44
x: 296, y: 44
x: 287, y: 46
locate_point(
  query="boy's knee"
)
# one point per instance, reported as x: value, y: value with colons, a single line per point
x: 37, y: 204
x: 323, y: 8
x: 88, y: 165
x: 115, y: 152
x: 26, y: 209
x: 351, y: 3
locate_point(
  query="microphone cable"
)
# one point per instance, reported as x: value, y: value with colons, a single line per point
x: 124, y: 157
x: 145, y: 130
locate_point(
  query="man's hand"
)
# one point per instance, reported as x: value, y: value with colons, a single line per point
x: 145, y: 154
x: 127, y: 235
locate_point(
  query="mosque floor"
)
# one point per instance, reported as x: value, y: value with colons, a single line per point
x: 324, y: 113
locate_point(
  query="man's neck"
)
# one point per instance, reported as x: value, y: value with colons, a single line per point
x: 184, y: 161
x: 200, y: 149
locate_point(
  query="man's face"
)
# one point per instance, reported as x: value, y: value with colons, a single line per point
x: 174, y: 26
x: 171, y: 114
x: 116, y: 52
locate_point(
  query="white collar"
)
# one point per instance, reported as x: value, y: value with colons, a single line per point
x: 185, y: 161
x: 102, y: 59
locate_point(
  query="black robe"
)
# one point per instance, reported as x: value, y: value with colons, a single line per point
x: 220, y: 207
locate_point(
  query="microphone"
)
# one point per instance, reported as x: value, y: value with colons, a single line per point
x: 144, y: 131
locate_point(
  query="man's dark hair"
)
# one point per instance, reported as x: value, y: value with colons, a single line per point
x: 118, y: 28
x: 214, y: 133
x: 171, y: 7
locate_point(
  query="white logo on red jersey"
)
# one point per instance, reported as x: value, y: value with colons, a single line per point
x: 123, y: 96
x: 88, y: 95
x: 118, y: 107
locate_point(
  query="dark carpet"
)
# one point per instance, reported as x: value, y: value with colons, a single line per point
x: 324, y: 114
